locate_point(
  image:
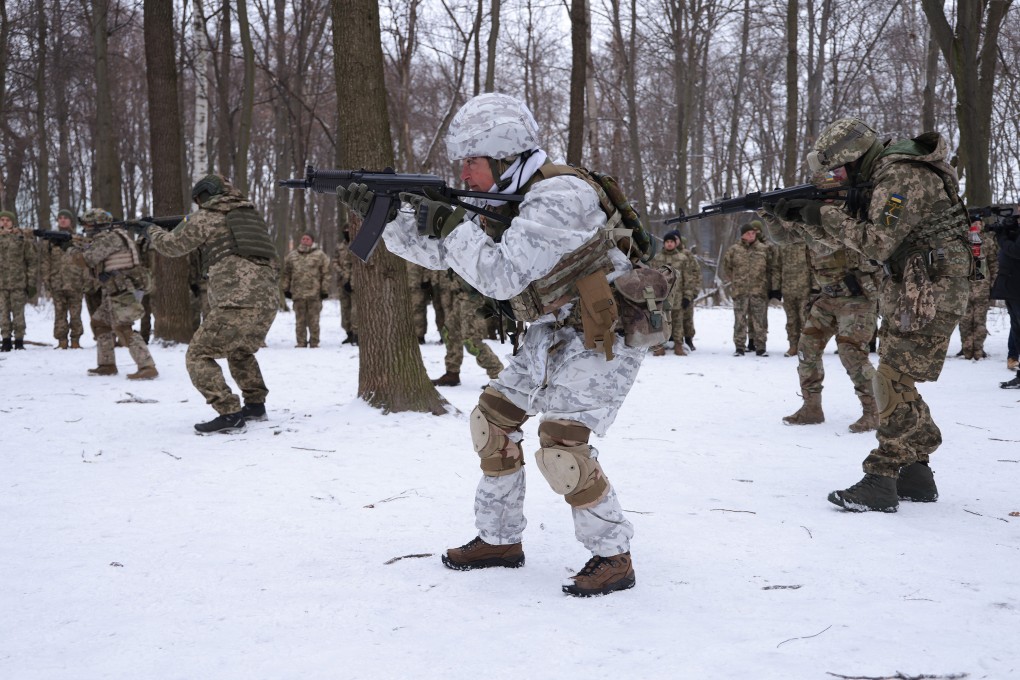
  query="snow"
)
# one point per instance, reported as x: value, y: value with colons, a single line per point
x: 132, y: 548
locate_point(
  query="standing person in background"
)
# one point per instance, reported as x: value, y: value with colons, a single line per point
x: 671, y: 255
x: 418, y: 292
x: 306, y: 282
x: 464, y: 329
x: 18, y: 269
x: 66, y: 281
x: 794, y: 282
x: 903, y: 210
x: 1007, y: 287
x: 115, y: 266
x: 692, y: 287
x: 974, y: 324
x: 238, y: 259
x: 748, y: 266
x: 343, y: 264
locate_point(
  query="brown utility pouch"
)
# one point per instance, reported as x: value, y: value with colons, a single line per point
x: 915, y: 307
x: 644, y: 294
x: 599, y: 313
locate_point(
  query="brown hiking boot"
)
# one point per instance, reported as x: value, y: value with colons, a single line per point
x: 61, y: 344
x: 105, y: 369
x: 75, y: 344
x: 874, y: 492
x: 917, y: 483
x: 448, y: 379
x: 792, y: 352
x: 678, y: 349
x: 1011, y: 364
x: 147, y: 373
x: 810, y: 413
x: 869, y: 419
x: 477, y: 554
x: 658, y: 351
x: 602, y: 575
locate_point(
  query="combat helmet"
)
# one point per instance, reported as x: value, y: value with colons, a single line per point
x: 207, y: 188
x: 842, y: 142
x: 95, y: 216
x: 491, y: 125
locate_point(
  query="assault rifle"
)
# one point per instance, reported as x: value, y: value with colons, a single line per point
x: 386, y: 187
x: 997, y: 218
x: 167, y: 223
x: 758, y: 199
x: 56, y: 237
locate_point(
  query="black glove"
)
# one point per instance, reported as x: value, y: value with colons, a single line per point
x: 323, y: 295
x: 31, y: 291
x: 799, y: 210
x: 194, y: 289
x: 287, y: 295
x: 347, y: 287
x: 776, y: 295
x: 436, y: 218
x: 359, y: 198
x: 139, y: 228
x: 425, y: 285
x: 685, y: 303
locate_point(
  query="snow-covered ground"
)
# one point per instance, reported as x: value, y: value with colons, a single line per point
x: 308, y: 547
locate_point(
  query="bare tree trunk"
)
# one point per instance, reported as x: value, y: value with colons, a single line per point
x: 199, y: 144
x: 224, y: 131
x: 579, y: 29
x: 591, y: 108
x: 931, y: 75
x: 490, y: 66
x: 108, y: 176
x: 738, y: 99
x: 281, y: 199
x: 172, y: 300
x: 479, y: 10
x: 61, y: 63
x: 972, y: 61
x: 247, y: 99
x: 816, y: 69
x: 791, y: 152
x: 391, y: 374
x: 627, y: 55
x: 42, y: 141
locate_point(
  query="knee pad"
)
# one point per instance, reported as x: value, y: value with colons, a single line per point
x: 496, y: 434
x: 566, y: 463
x: 887, y: 397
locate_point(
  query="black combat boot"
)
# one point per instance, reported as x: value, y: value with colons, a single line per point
x: 252, y: 411
x: 917, y: 483
x: 6, y: 345
x: 19, y: 343
x: 448, y: 379
x: 690, y: 343
x: 228, y: 423
x: 874, y: 492
x: 1013, y: 384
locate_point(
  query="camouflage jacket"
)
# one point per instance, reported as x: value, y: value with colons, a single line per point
x: 678, y: 260
x: 306, y: 272
x: 110, y: 245
x: 343, y: 262
x: 18, y: 261
x: 234, y: 281
x: 793, y: 276
x: 60, y: 272
x: 748, y: 268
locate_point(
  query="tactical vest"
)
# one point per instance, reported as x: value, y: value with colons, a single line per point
x: 246, y: 236
x: 125, y: 258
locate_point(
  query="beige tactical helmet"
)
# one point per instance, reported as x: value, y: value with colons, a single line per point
x: 491, y: 125
x: 844, y: 141
x: 95, y: 216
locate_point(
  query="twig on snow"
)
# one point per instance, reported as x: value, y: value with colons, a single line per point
x: 810, y: 535
x: 980, y: 515
x: 796, y: 587
x: 749, y: 512
x: 806, y: 637
x: 391, y: 498
x: 900, y: 676
x: 170, y: 454
x: 404, y: 557
x: 302, y: 448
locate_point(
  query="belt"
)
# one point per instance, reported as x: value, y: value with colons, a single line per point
x: 835, y: 290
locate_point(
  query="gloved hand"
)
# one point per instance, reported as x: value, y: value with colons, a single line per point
x: 685, y: 303
x: 776, y: 295
x: 140, y: 228
x: 347, y: 287
x: 425, y: 285
x: 30, y: 291
x: 287, y: 295
x: 436, y: 217
x: 323, y: 295
x: 799, y: 210
x: 358, y: 197
x: 194, y: 289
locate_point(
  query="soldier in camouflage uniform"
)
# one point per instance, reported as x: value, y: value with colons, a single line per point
x: 794, y: 283
x: 903, y: 210
x: 343, y: 265
x: 419, y: 290
x: 974, y: 324
x: 578, y: 389
x: 115, y: 267
x: 843, y: 307
x: 465, y: 329
x: 692, y: 287
x: 671, y: 255
x: 306, y: 281
x: 238, y: 258
x: 65, y: 279
x: 18, y: 269
x: 748, y: 266
x: 148, y: 257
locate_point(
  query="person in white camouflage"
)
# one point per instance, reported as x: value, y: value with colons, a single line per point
x: 238, y: 258
x: 671, y: 255
x: 66, y: 281
x: 115, y: 266
x: 578, y: 389
x: 903, y: 209
x: 18, y: 269
x: 305, y: 280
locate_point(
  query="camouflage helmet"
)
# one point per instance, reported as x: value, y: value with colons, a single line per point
x: 95, y: 216
x: 840, y: 143
x: 208, y: 187
x: 491, y: 125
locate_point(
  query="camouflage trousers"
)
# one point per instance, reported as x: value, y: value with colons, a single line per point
x: 306, y: 320
x: 688, y: 324
x: 465, y: 330
x: 145, y: 323
x: 12, y: 313
x: 112, y: 321
x: 234, y: 333
x: 852, y: 320
x: 419, y: 302
x: 974, y: 324
x: 347, y: 321
x: 909, y: 434
x: 67, y: 314
x: 796, y: 308
x: 750, y: 320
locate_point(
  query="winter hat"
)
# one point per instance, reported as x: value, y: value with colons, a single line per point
x: 672, y: 236
x: 746, y: 227
x: 66, y: 213
x: 8, y: 213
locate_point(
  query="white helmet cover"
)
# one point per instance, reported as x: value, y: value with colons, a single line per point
x: 493, y: 125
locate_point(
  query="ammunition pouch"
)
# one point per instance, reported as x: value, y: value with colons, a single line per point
x: 643, y: 295
x: 246, y: 236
